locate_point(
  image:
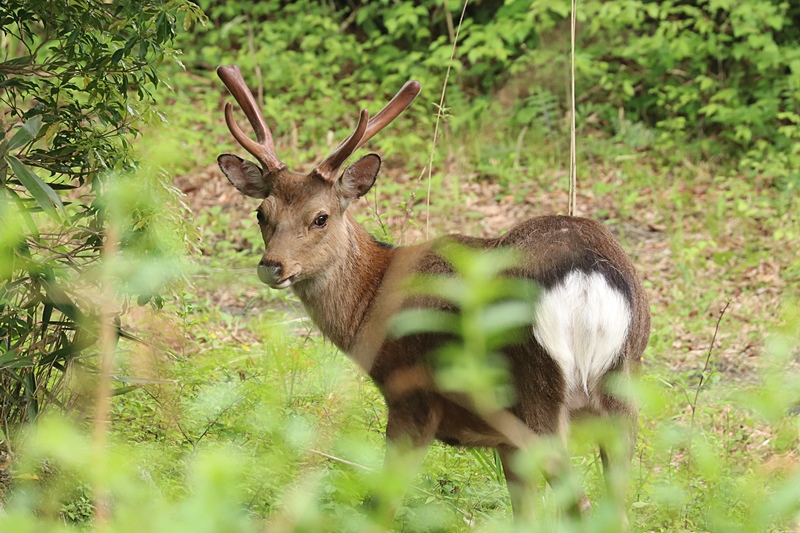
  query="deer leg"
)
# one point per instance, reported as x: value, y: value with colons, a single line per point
x: 521, y: 492
x: 557, y: 467
x: 410, y: 430
x: 616, y: 454
x: 560, y: 476
x: 558, y: 473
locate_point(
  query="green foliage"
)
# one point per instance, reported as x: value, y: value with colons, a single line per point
x: 87, y: 71
x: 310, y: 62
x: 76, y: 83
x: 723, y: 74
x: 250, y: 427
x: 706, y: 479
x: 283, y: 435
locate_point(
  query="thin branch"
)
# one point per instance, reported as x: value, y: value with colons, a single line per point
x: 573, y: 158
x: 438, y: 119
x: 102, y: 422
x: 343, y: 461
x: 702, y: 381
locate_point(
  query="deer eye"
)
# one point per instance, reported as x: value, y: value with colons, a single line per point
x: 260, y: 216
x: 321, y: 221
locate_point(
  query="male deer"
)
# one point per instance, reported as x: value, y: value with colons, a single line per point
x: 591, y: 321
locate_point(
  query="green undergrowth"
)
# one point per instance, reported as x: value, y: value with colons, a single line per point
x: 278, y: 430
x: 303, y: 428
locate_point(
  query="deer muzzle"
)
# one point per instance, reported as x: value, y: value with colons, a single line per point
x: 272, y: 274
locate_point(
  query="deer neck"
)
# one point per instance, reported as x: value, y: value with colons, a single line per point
x: 339, y: 298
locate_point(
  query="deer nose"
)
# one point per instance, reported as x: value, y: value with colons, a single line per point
x: 269, y: 272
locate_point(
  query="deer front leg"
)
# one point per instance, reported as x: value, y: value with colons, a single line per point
x: 410, y: 430
x: 521, y: 492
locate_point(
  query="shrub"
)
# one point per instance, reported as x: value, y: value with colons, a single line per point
x: 722, y: 74
x: 76, y: 83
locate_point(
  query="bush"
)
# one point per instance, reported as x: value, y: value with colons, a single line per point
x: 310, y: 62
x: 722, y: 74
x: 75, y: 86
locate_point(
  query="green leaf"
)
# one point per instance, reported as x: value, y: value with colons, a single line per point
x: 26, y: 216
x: 44, y: 195
x: 47, y: 314
x: 124, y: 390
x: 62, y: 301
x: 419, y: 320
x: 627, y: 88
x: 117, y: 56
x: 25, y: 134
x: 7, y: 358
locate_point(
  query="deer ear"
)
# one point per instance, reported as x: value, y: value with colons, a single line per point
x: 359, y: 177
x: 244, y: 175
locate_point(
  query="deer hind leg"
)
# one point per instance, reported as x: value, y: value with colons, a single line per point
x: 561, y: 476
x: 616, y: 452
x: 557, y: 469
x: 521, y: 491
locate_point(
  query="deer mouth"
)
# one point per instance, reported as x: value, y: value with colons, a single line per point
x: 284, y: 283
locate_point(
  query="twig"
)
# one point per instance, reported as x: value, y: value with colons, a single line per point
x: 518, y: 149
x: 251, y: 48
x: 439, y: 113
x: 702, y: 381
x: 108, y: 339
x: 448, y: 17
x: 343, y: 461
x: 573, y: 158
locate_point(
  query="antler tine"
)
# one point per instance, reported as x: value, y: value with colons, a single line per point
x: 392, y: 110
x: 264, y: 149
x: 327, y: 169
x: 366, y: 130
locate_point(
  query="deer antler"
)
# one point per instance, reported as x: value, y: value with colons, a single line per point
x: 366, y: 130
x: 264, y: 149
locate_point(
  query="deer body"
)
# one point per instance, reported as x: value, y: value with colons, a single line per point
x: 591, y: 320
x: 585, y: 314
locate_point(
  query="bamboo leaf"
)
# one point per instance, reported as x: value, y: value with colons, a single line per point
x: 124, y: 390
x: 44, y: 195
x: 61, y: 301
x: 47, y: 313
x: 26, y: 216
x: 25, y: 134
x: 8, y: 358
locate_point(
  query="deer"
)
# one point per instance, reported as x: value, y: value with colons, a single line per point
x: 591, y: 319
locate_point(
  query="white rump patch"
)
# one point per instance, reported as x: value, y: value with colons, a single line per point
x: 582, y: 323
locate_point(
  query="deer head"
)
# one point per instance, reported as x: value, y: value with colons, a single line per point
x: 302, y: 217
